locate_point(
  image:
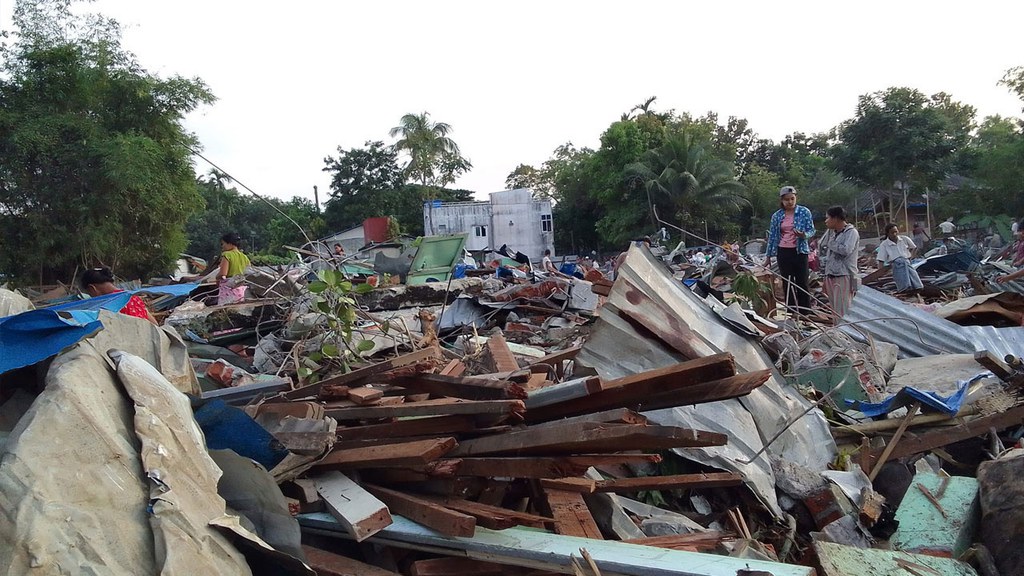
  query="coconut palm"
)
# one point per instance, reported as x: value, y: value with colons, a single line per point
x: 434, y: 158
x: 682, y: 179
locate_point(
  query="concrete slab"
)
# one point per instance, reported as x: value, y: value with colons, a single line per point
x: 924, y: 529
x: 839, y: 560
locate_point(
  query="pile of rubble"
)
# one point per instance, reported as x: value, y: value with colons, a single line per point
x: 509, y: 425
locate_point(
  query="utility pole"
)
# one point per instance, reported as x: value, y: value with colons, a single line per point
x: 316, y: 199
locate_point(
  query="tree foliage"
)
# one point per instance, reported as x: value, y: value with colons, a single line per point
x: 95, y: 164
x: 266, y: 225
x: 902, y: 135
x: 434, y: 157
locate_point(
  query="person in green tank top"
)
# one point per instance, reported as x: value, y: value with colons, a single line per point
x: 233, y: 262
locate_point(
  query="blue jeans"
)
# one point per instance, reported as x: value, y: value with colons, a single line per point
x: 905, y: 275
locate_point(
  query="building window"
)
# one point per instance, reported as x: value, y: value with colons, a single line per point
x: 545, y: 222
x: 442, y: 228
x: 480, y: 231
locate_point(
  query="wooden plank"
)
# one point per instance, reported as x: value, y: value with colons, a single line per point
x: 364, y: 395
x: 428, y: 408
x: 461, y: 387
x: 360, y: 373
x: 555, y: 359
x: 493, y: 517
x: 503, y: 359
x: 672, y: 482
x: 613, y: 416
x: 571, y: 515
x: 536, y: 467
x: 453, y: 566
x: 697, y: 393
x: 357, y: 510
x: 589, y: 438
x: 894, y: 441
x: 387, y: 456
x: 694, y: 542
x: 432, y: 425
x: 578, y: 485
x: 326, y: 563
x: 916, y: 443
x: 530, y: 548
x: 634, y: 389
x: 563, y: 392
x: 454, y: 368
x: 446, y: 521
x: 996, y: 365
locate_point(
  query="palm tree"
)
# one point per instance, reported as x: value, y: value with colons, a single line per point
x: 434, y: 158
x: 682, y: 177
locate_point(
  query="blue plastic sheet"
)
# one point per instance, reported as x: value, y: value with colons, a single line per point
x: 36, y: 335
x: 229, y: 428
x: 172, y: 289
x: 930, y: 401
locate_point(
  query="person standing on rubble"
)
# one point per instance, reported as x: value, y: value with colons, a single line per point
x: 100, y: 282
x: 790, y: 229
x: 838, y: 249
x: 233, y: 262
x: 895, y: 252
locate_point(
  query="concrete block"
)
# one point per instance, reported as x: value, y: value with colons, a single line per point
x: 839, y: 560
x: 925, y: 529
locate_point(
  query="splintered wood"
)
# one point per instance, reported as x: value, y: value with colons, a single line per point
x: 451, y: 449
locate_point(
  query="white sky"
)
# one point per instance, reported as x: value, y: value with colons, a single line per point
x: 296, y: 80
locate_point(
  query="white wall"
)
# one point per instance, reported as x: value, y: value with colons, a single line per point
x: 511, y: 217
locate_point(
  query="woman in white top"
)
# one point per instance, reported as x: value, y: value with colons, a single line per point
x: 895, y: 252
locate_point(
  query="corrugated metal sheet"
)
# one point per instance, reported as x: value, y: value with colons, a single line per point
x: 920, y: 333
x: 646, y: 301
x: 999, y: 341
x: 915, y: 331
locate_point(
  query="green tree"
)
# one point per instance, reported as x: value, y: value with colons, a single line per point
x: 902, y: 135
x: 687, y: 184
x: 364, y: 182
x: 95, y: 164
x: 434, y: 158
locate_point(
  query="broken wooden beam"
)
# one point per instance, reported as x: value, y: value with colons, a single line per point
x: 911, y: 443
x: 440, y: 407
x: 389, y: 455
x: 454, y: 565
x: 431, y: 425
x: 493, y: 517
x: 462, y: 387
x: 536, y: 467
x: 570, y: 514
x: 360, y: 373
x: 326, y: 563
x: 365, y: 395
x: 588, y: 437
x: 362, y: 514
x: 432, y: 515
x: 672, y: 482
x: 660, y: 384
x: 693, y: 542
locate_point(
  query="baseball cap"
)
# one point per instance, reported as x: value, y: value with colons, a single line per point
x: 786, y: 190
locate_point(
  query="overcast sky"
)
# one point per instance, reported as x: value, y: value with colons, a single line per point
x: 296, y: 80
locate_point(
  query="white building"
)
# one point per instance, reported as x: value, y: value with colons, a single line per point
x: 512, y: 217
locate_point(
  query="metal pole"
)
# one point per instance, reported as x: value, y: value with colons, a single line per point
x: 906, y: 209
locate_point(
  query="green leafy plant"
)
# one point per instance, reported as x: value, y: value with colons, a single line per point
x: 334, y: 299
x: 747, y: 286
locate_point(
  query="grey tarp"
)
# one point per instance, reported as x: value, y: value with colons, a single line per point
x: 74, y: 496
x: 647, y: 307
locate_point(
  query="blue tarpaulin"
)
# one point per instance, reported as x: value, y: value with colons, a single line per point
x: 930, y: 401
x: 172, y: 289
x: 227, y: 427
